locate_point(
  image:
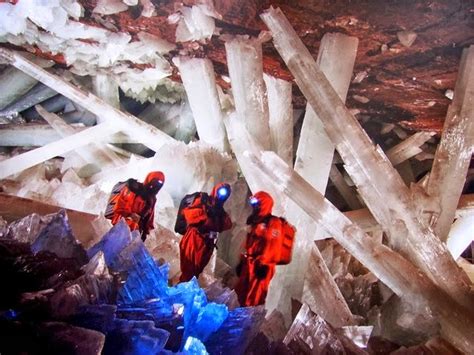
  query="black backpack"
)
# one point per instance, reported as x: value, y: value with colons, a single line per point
x: 112, y: 201
x: 180, y: 225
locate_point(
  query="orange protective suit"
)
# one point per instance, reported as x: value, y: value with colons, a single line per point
x: 204, y: 218
x: 136, y: 203
x: 254, y: 272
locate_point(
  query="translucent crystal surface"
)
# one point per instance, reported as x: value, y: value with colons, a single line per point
x: 199, y: 81
x: 390, y: 267
x: 408, y: 148
x: 244, y: 59
x: 57, y: 238
x: 379, y: 184
x: 454, y: 152
x: 280, y: 116
x: 313, y: 161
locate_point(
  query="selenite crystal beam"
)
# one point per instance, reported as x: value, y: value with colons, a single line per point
x: 244, y: 60
x: 314, y: 158
x: 145, y: 133
x: 92, y: 153
x: 39, y: 134
x: 200, y: 84
x: 26, y: 160
x: 381, y: 187
x: 281, y: 116
x: 460, y: 235
x: 407, y: 281
x: 348, y: 194
x: 240, y: 141
x: 408, y: 148
x: 453, y: 156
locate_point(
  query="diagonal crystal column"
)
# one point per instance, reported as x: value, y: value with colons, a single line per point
x: 145, y: 133
x: 407, y: 281
x: 26, y: 160
x: 408, y: 148
x: 382, y: 189
x: 200, y: 84
x: 453, y: 156
x: 313, y: 161
x: 244, y: 59
x: 281, y: 117
x: 93, y: 153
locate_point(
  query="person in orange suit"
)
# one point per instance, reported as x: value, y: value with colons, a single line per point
x: 254, y: 271
x: 205, y: 218
x: 136, y: 203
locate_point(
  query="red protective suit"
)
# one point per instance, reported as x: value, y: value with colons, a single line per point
x: 139, y: 199
x: 203, y: 218
x: 255, y: 273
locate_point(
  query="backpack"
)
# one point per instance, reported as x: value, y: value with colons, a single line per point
x: 280, y: 240
x: 181, y: 225
x: 112, y: 201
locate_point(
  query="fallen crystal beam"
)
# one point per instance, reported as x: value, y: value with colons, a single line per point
x: 347, y: 193
x: 145, y: 133
x: 381, y: 187
x: 314, y: 159
x: 280, y: 117
x: 26, y: 160
x: 92, y: 153
x: 408, y: 148
x: 39, y: 134
x: 407, y: 281
x: 200, y: 84
x: 244, y: 60
x: 453, y: 155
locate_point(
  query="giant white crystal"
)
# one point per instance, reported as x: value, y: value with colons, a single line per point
x: 379, y: 184
x: 244, y: 59
x: 199, y: 81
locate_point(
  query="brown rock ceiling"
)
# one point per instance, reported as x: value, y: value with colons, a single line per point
x: 404, y: 85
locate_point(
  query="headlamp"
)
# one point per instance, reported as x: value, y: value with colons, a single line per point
x: 253, y: 201
x: 222, y: 193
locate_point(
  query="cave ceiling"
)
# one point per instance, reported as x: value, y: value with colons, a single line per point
x: 400, y: 84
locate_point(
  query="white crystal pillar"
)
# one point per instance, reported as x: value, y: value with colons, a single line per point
x: 240, y: 141
x: 244, y: 59
x: 408, y: 148
x: 145, y: 133
x: 377, y: 181
x: 281, y: 117
x: 454, y: 152
x: 92, y: 153
x: 347, y: 193
x: 200, y: 84
x: 26, y: 160
x: 407, y: 281
x: 313, y: 161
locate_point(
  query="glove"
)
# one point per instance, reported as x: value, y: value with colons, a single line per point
x: 261, y: 270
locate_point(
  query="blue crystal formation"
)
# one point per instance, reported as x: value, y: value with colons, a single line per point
x: 233, y: 337
x: 57, y: 237
x: 145, y: 293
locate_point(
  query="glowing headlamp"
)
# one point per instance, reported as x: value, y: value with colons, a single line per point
x: 222, y: 193
x: 253, y: 201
